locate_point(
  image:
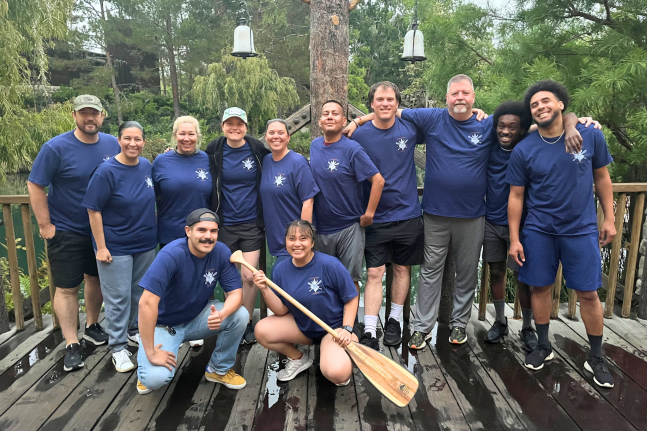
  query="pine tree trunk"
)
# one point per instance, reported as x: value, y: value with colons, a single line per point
x: 329, y: 51
x: 113, y: 80
x: 163, y: 74
x: 172, y: 68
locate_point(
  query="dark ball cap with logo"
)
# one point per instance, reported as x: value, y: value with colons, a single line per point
x: 201, y: 214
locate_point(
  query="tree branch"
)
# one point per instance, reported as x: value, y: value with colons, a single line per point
x: 607, y: 9
x: 622, y: 138
x: 478, y: 54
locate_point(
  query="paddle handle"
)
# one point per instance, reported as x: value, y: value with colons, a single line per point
x: 294, y: 302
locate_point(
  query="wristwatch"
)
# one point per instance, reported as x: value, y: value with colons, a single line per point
x: 348, y: 328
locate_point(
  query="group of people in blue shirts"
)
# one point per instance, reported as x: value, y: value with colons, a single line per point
x: 354, y: 202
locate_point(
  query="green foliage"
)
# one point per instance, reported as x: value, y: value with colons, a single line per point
x: 357, y: 88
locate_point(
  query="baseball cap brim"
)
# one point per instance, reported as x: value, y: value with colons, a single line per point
x: 88, y: 105
x: 233, y: 116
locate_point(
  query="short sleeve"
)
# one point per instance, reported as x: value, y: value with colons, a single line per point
x: 229, y: 278
x: 601, y: 155
x: 363, y: 165
x: 305, y: 182
x: 516, y: 172
x: 342, y: 280
x: 45, y: 166
x: 424, y: 119
x: 159, y: 274
x: 99, y: 190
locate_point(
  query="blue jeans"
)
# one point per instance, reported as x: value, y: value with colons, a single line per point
x: 223, y: 357
x: 121, y: 292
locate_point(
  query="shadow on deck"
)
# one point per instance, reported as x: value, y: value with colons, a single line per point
x: 470, y: 387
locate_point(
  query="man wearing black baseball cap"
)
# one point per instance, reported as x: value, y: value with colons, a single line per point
x: 175, y: 306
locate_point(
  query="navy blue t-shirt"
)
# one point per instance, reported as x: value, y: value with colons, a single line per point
x: 65, y: 164
x: 239, y: 191
x: 182, y: 184
x: 392, y: 152
x: 339, y: 170
x: 457, y: 157
x: 498, y: 189
x: 185, y: 282
x: 285, y: 185
x: 559, y: 185
x: 323, y: 286
x: 125, y: 197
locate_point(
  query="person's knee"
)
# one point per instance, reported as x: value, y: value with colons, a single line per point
x: 240, y: 316
x: 497, y: 272
x: 155, y: 377
x: 262, y: 331
x: 589, y: 297
x: 67, y: 293
x: 247, y: 277
x: 375, y: 273
x: 400, y: 271
x: 336, y: 374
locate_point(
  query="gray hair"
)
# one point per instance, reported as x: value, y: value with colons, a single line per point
x: 459, y: 78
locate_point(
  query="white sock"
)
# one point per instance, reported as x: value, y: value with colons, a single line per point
x: 396, y: 310
x: 370, y: 325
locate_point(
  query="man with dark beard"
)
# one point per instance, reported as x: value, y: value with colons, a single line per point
x: 561, y: 220
x: 65, y: 164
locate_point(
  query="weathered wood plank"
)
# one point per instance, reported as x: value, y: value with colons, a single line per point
x: 630, y: 330
x: 632, y: 256
x: 52, y: 287
x: 629, y: 187
x: 32, y: 265
x: 614, y: 260
x: 25, y: 346
x: 12, y: 255
x: 577, y: 397
x: 14, y: 199
x: 485, y: 288
x: 572, y: 303
x: 556, y: 292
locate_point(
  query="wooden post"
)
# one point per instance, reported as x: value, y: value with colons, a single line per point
x: 572, y: 304
x: 52, y: 288
x: 387, y: 293
x: 557, y: 290
x: 13, y: 267
x: 632, y: 256
x: 621, y: 208
x: 516, y: 313
x: 4, y: 316
x: 485, y: 285
x: 262, y: 265
x: 329, y: 52
x: 32, y: 266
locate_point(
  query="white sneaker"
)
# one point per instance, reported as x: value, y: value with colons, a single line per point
x: 196, y: 343
x: 122, y: 362
x: 134, y: 340
x: 294, y: 367
x: 344, y: 384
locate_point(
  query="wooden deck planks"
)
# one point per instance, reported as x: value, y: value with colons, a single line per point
x: 22, y: 342
x: 630, y: 330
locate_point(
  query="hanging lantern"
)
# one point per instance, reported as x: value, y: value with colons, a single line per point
x: 414, y: 42
x: 243, y: 36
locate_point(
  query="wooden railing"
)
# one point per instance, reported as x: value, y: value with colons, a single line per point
x: 628, y: 195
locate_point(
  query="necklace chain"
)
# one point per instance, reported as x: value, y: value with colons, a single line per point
x: 554, y: 142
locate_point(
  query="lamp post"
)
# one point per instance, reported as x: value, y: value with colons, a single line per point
x: 243, y: 36
x: 414, y: 43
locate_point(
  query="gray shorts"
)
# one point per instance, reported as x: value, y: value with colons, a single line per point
x: 346, y: 245
x: 496, y: 243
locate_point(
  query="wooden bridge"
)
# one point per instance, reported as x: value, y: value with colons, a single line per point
x: 474, y: 386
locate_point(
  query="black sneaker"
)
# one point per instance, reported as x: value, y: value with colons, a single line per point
x: 529, y: 338
x: 95, y: 334
x: 73, y: 359
x: 458, y: 335
x: 249, y: 337
x: 369, y: 341
x: 498, y: 330
x: 601, y: 375
x: 392, y: 333
x: 419, y: 340
x: 535, y: 360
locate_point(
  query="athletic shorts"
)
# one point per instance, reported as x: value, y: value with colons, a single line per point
x: 496, y: 243
x: 579, y: 254
x: 245, y: 237
x: 399, y: 242
x: 346, y: 245
x: 70, y: 256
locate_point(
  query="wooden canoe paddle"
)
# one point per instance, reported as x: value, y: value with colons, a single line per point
x: 391, y: 379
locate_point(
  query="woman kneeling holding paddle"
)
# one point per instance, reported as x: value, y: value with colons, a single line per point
x: 322, y: 284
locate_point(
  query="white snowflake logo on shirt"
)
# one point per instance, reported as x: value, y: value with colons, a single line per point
x: 248, y: 164
x: 314, y: 285
x: 279, y: 180
x: 332, y: 165
x: 402, y: 144
x: 475, y: 138
x: 209, y: 277
x: 106, y: 158
x: 149, y: 182
x: 202, y: 174
x: 579, y: 157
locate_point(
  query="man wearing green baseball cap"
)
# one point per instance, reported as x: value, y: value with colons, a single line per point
x: 65, y: 164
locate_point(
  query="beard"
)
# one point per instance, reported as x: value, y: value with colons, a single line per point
x: 84, y: 129
x: 460, y: 109
x: 548, y: 122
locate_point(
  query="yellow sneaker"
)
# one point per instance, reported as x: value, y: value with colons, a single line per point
x: 143, y: 390
x: 231, y: 379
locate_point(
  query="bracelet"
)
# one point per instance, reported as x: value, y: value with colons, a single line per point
x: 358, y: 121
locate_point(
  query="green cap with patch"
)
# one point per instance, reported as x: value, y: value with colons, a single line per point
x: 234, y: 112
x: 87, y: 101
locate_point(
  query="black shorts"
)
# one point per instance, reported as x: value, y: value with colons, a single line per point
x: 399, y: 242
x: 245, y: 237
x: 70, y: 256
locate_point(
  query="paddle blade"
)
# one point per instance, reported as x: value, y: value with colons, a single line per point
x: 388, y: 377
x: 237, y: 257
